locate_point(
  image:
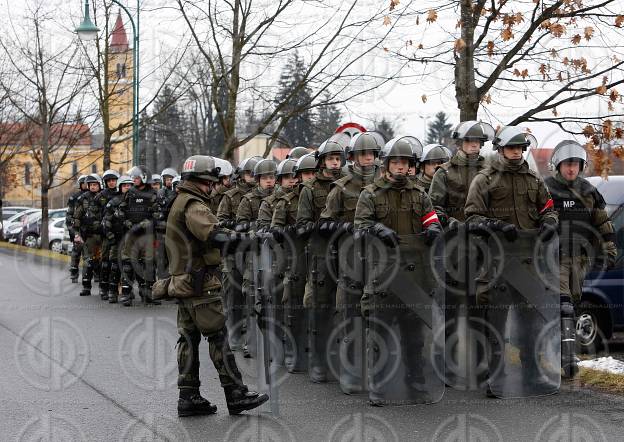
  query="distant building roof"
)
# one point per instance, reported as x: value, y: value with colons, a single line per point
x: 20, y: 134
x: 538, y: 160
x: 119, y: 37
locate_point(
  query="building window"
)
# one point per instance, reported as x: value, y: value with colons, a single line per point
x: 27, y: 178
x: 93, y: 168
x: 74, y: 168
x: 121, y: 70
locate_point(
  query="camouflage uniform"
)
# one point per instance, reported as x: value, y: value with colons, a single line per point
x: 267, y: 206
x: 69, y: 222
x: 449, y: 187
x: 113, y: 231
x: 108, y: 257
x: 87, y: 221
x: 422, y: 181
x: 164, y: 200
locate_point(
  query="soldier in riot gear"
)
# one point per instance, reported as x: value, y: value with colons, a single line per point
x: 585, y: 234
x: 87, y: 221
x: 193, y: 240
x: 286, y: 182
x: 336, y: 221
x: 69, y: 220
x: 233, y: 267
x: 175, y: 182
x: 283, y: 223
x: 109, y: 178
x: 247, y: 220
x: 156, y: 182
x: 137, y: 214
x: 508, y: 197
x: 451, y: 181
x: 297, y: 152
x: 167, y: 175
x: 225, y: 183
x: 113, y: 232
x: 320, y: 289
x: 433, y: 156
x: 390, y: 208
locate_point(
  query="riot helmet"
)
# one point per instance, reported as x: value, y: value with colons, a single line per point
x: 176, y: 181
x: 141, y: 172
x: 156, y: 178
x: 110, y: 174
x: 567, y: 150
x: 297, y: 152
x: 264, y: 167
x: 435, y: 152
x: 123, y: 179
x: 366, y: 142
x: 286, y: 167
x: 225, y: 167
x: 200, y: 167
x: 473, y: 130
x: 399, y: 147
x: 168, y: 172
x: 307, y: 162
x: 513, y: 136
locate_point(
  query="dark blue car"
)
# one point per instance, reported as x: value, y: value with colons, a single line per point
x: 601, y: 311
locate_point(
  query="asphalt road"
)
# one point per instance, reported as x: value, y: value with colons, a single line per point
x: 75, y: 368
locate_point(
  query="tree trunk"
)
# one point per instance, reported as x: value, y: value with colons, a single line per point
x: 466, y: 92
x: 45, y: 184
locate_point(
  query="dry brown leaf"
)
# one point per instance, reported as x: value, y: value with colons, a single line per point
x: 576, y: 39
x: 386, y: 21
x: 516, y: 73
x: 588, y: 32
x: 607, y: 129
x: 459, y: 45
x: 610, y: 106
x: 394, y: 4
x: 602, y: 89
x: 507, y: 34
x: 605, y: 79
x: 614, y: 95
x: 619, y: 132
x: 420, y: 46
x: 424, y: 98
x: 524, y: 73
x: 554, y: 53
x: 490, y: 48
x: 554, y: 111
x: 557, y: 29
x: 432, y: 16
x: 588, y: 131
x: 542, y: 70
x: 417, y: 20
x: 619, y: 21
x: 560, y: 76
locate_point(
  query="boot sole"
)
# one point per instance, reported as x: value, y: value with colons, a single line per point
x: 239, y: 410
x: 196, y: 413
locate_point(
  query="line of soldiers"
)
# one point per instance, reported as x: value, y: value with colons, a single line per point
x: 112, y: 223
x: 328, y: 215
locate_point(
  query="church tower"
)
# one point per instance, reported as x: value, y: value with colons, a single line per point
x: 120, y: 77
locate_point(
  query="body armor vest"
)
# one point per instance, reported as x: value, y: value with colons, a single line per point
x: 139, y: 204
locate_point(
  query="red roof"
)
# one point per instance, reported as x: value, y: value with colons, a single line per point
x: 119, y: 37
x: 20, y: 134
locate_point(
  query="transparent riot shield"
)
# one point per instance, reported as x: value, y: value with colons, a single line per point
x: 233, y: 269
x: 295, y: 317
x: 465, y: 362
x: 322, y: 262
x: 405, y: 337
x: 350, y: 329
x: 523, y: 316
x: 269, y: 338
x: 250, y: 287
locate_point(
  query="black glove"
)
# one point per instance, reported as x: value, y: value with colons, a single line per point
x: 431, y: 233
x: 326, y: 228
x: 346, y: 228
x: 227, y: 224
x: 548, y: 230
x: 388, y: 236
x: 221, y: 237
x: 242, y: 227
x: 453, y: 224
x: 510, y: 231
x: 304, y: 230
x: 278, y: 234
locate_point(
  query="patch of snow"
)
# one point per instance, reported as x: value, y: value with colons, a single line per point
x: 607, y: 364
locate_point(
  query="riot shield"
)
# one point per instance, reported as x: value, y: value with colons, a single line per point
x: 295, y: 318
x: 523, y: 315
x: 350, y: 331
x: 233, y: 268
x: 465, y: 363
x: 405, y: 336
x: 269, y: 340
x: 322, y: 263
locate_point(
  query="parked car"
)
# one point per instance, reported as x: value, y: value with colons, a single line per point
x: 601, y: 310
x: 10, y: 211
x: 15, y: 224
x: 56, y: 230
x: 30, y: 231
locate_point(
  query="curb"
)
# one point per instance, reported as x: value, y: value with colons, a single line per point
x: 46, y: 254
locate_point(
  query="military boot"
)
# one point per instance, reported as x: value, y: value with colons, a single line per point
x: 73, y: 274
x: 240, y: 399
x: 104, y: 291
x: 126, y: 294
x: 146, y: 295
x: 191, y: 403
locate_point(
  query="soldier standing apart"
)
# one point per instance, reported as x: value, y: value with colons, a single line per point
x: 113, y: 231
x: 585, y: 234
x: 136, y: 211
x: 233, y: 267
x: 320, y: 289
x: 507, y: 196
x: 394, y: 205
x: 433, y: 156
x: 87, y: 221
x: 69, y: 222
x: 110, y: 178
x: 246, y: 220
x: 193, y: 243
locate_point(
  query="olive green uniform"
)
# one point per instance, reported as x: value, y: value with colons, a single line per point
x: 194, y: 266
x: 267, y: 206
x: 87, y: 221
x: 449, y: 187
x: 584, y: 226
x: 423, y: 181
x: 215, y: 198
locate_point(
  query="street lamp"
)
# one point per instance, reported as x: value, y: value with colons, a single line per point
x: 87, y: 31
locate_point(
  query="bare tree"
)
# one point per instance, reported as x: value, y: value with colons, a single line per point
x: 242, y: 41
x: 49, y: 95
x: 535, y: 60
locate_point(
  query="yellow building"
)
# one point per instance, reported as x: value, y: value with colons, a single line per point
x: 75, y: 150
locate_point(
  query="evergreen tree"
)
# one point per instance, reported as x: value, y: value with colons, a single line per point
x: 327, y: 121
x: 299, y: 130
x: 385, y: 127
x: 439, y: 131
